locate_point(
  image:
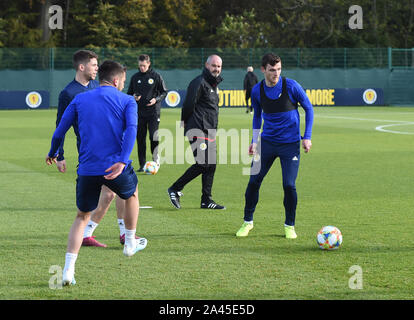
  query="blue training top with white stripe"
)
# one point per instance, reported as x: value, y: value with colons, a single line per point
x: 281, y: 127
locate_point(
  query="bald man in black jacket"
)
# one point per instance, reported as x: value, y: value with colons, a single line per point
x: 200, y: 118
x: 250, y: 80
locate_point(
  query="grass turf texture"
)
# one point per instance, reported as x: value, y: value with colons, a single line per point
x: 355, y: 177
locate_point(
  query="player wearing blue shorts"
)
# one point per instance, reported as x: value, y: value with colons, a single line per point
x: 275, y: 102
x: 85, y: 63
x: 107, y: 123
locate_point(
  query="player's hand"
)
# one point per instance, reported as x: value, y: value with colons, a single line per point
x: 137, y: 97
x: 152, y: 102
x: 306, y: 144
x: 114, y: 171
x: 50, y: 160
x: 252, y: 149
x: 61, y: 166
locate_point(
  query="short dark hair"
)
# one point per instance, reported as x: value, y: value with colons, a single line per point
x: 144, y: 57
x: 271, y: 59
x: 83, y: 57
x: 109, y: 69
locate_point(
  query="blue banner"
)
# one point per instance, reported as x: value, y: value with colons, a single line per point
x: 24, y: 99
x: 346, y: 97
x: 228, y: 98
x: 318, y: 97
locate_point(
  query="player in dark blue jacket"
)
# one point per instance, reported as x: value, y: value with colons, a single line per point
x: 107, y: 122
x: 275, y: 101
x: 86, y: 66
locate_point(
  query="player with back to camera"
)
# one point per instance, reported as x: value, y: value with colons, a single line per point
x: 275, y: 100
x: 85, y: 63
x: 107, y: 123
x: 250, y: 80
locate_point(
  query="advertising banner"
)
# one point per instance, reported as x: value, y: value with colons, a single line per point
x: 24, y: 99
x: 228, y: 98
x: 318, y: 97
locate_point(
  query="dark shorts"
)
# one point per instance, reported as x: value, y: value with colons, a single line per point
x: 88, y: 188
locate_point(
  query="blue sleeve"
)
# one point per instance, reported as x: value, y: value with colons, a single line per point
x: 257, y: 116
x: 300, y: 96
x: 64, y: 125
x: 64, y: 101
x: 130, y: 133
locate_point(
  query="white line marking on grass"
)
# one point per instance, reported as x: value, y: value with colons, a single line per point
x: 362, y: 119
x: 378, y: 128
x: 381, y: 128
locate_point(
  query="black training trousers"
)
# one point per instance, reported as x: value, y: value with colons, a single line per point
x: 205, y: 155
x: 151, y: 124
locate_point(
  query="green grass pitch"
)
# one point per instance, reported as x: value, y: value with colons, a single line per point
x: 359, y: 176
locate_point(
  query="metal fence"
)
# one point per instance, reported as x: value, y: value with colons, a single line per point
x: 194, y: 58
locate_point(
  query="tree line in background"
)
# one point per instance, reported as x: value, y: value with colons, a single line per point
x: 207, y: 24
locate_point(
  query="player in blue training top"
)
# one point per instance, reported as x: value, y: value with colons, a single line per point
x: 107, y: 122
x: 275, y: 101
x: 85, y: 63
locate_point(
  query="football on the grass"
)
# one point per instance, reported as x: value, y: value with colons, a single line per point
x: 329, y: 238
x: 151, y: 167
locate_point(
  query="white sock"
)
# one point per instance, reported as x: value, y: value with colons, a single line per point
x: 70, y: 260
x: 89, y: 229
x: 251, y: 222
x: 121, y: 225
x: 130, y: 238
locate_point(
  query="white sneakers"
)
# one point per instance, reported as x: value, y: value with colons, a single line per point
x: 140, y: 244
x: 68, y: 277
